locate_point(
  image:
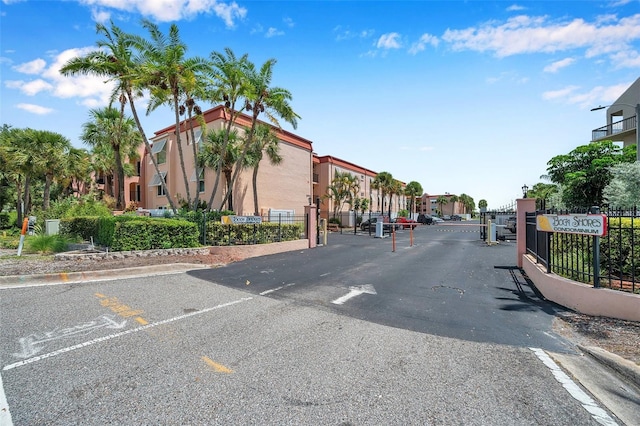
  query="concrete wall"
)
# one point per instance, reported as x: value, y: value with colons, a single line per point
x: 582, y: 297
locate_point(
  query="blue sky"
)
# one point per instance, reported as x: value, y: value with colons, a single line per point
x: 462, y: 96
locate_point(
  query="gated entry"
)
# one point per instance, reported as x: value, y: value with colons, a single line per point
x: 505, y: 222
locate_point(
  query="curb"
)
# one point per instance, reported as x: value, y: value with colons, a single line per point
x: 102, y: 275
x: 626, y: 368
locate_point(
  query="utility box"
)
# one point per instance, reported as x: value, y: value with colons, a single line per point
x: 52, y: 226
x: 380, y: 228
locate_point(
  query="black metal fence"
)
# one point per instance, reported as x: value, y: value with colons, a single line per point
x: 271, y: 229
x: 612, y: 261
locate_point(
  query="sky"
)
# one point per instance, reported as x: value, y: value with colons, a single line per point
x: 470, y: 97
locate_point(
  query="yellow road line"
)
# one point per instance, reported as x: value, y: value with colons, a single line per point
x: 218, y: 367
x: 141, y: 321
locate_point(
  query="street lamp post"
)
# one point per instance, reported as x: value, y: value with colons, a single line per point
x: 525, y: 189
x: 637, y: 107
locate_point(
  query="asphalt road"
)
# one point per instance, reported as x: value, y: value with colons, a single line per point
x: 295, y: 338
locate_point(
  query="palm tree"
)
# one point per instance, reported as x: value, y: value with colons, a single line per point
x: 453, y: 200
x: 229, y: 73
x: 171, y: 77
x: 264, y: 142
x: 52, y: 150
x: 482, y: 204
x: 215, y: 154
x: 382, y: 182
x: 394, y: 188
x: 116, y: 60
x: 468, y: 203
x: 77, y: 171
x: 342, y: 190
x: 412, y: 190
x: 441, y: 201
x: 260, y: 97
x: 113, y: 135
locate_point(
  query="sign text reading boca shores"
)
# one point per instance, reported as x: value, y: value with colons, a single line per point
x: 585, y: 224
x: 241, y: 220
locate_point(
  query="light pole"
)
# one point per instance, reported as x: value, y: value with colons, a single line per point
x: 637, y: 107
x: 525, y: 189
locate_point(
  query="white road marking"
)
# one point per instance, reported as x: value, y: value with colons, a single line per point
x: 598, y: 414
x: 5, y: 415
x: 355, y: 291
x: 325, y: 274
x: 123, y: 333
x: 276, y: 289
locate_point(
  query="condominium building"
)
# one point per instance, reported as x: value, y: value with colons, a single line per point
x: 622, y: 118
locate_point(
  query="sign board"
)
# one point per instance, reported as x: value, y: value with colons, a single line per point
x: 585, y: 224
x: 241, y: 220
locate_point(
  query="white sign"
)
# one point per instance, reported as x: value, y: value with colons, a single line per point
x: 238, y: 220
x: 585, y: 224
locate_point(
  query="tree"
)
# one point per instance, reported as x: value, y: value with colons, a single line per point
x: 264, y: 142
x: 413, y: 190
x: 382, y: 183
x: 116, y: 60
x: 441, y: 201
x: 624, y: 188
x: 482, y: 204
x: 453, y: 200
x: 343, y: 189
x: 542, y: 192
x: 467, y: 202
x: 116, y: 138
x: 171, y: 77
x: 586, y: 171
x: 230, y: 76
x: 261, y: 97
x: 216, y: 154
x: 394, y: 188
x: 51, y: 151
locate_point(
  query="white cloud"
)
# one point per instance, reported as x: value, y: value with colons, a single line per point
x: 346, y: 33
x: 596, y: 96
x: 35, y: 109
x: 31, y: 88
x: 515, y: 8
x: 33, y: 67
x: 626, y: 59
x: 554, y: 67
x: 289, y: 22
x: 273, y: 32
x: 389, y: 41
x: 100, y: 16
x: 171, y: 10
x: 420, y: 45
x: 536, y: 34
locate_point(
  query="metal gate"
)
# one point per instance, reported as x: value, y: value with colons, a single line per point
x: 505, y: 221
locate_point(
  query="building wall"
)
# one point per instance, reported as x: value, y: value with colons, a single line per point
x: 284, y: 187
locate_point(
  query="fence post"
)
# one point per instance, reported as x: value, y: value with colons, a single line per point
x: 596, y: 253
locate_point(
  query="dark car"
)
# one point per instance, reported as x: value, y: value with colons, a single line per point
x: 371, y: 224
x: 425, y: 219
x: 455, y: 217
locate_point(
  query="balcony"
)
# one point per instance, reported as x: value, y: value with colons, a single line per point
x: 620, y: 128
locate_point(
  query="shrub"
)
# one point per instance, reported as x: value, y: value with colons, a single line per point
x: 5, y: 220
x: 263, y: 233
x: 153, y: 233
x: 619, y: 249
x: 46, y: 244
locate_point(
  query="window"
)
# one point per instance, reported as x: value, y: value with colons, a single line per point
x: 157, y: 182
x: 200, y: 180
x: 159, y: 150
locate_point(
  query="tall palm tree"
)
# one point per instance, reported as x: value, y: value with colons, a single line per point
x: 394, y: 188
x: 171, y: 77
x: 52, y: 150
x: 215, y: 154
x: 116, y: 60
x: 453, y: 200
x: 77, y: 174
x: 118, y: 137
x: 382, y: 182
x: 261, y: 97
x: 229, y: 74
x: 264, y: 142
x: 441, y: 201
x: 412, y: 190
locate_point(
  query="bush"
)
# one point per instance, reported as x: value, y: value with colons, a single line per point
x: 153, y: 233
x: 263, y: 233
x: 5, y: 220
x: 619, y: 248
x: 336, y: 220
x: 46, y: 244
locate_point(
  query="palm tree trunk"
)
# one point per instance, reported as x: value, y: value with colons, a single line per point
x: 148, y: 148
x: 255, y: 190
x: 219, y: 168
x: 180, y: 154
x: 228, y: 195
x: 120, y: 178
x: 195, y: 157
x: 47, y: 191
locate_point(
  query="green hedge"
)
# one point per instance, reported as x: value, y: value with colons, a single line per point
x: 148, y: 234
x: 620, y: 248
x: 5, y: 220
x: 263, y: 233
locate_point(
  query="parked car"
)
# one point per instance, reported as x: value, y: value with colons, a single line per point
x: 406, y: 223
x: 436, y: 219
x: 371, y: 223
x: 456, y: 217
x: 425, y: 219
x: 510, y: 224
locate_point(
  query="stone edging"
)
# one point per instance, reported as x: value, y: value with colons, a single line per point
x: 133, y: 253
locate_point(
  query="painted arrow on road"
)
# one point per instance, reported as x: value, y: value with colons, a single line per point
x: 355, y: 291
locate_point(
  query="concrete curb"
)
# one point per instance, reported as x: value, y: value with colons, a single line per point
x: 103, y: 275
x: 626, y: 368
